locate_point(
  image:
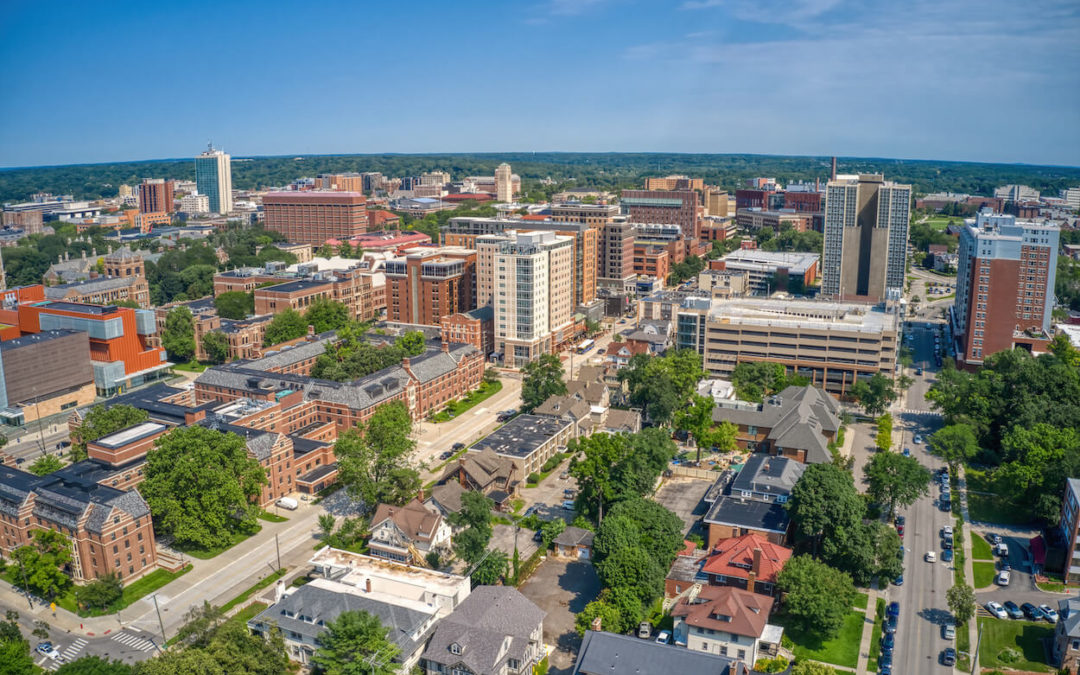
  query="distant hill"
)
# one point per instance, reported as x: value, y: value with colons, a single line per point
x: 602, y: 170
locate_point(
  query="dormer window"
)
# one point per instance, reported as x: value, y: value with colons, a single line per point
x: 455, y: 648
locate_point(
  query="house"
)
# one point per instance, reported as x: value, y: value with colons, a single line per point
x: 568, y: 408
x: 655, y: 335
x: 301, y: 614
x: 621, y: 422
x: 495, y: 631
x: 575, y: 543
x: 1067, y: 635
x: 619, y: 353
x: 750, y: 562
x: 610, y: 654
x: 446, y: 498
x: 753, y: 500
x: 685, y: 571
x: 495, y: 476
x: 408, y: 533
x: 799, y: 423
x: 727, y: 621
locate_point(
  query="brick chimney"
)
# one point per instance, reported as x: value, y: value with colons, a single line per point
x: 595, y: 624
x: 755, y: 570
x: 311, y: 330
x: 406, y: 363
x: 445, y: 347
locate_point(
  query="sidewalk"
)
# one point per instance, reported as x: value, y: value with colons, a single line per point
x: 867, y: 631
x: 969, y: 566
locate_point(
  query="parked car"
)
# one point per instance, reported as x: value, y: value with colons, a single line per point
x: 917, y: 440
x: 663, y: 638
x: 948, y: 657
x: 946, y: 544
x: 1003, y: 578
x: 1013, y: 610
x: 947, y: 531
x: 568, y: 504
x: 930, y: 557
x: 893, y: 609
x: 1031, y: 611
x: 891, y: 623
x: 1002, y: 550
x: 446, y: 455
x: 1049, y: 613
x: 918, y: 371
x: 997, y: 610
x: 900, y: 520
x: 948, y: 631
x: 885, y: 662
x: 888, y: 641
x: 898, y: 581
x: 995, y: 539
x: 907, y: 452
x: 539, y: 536
x: 457, y: 446
x: 644, y: 630
x: 947, y: 555
x: 884, y: 668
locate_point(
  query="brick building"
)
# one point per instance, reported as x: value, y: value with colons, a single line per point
x: 674, y: 183
x: 475, y: 327
x: 616, y: 251
x: 428, y: 284
x: 664, y: 207
x: 315, y: 217
x: 652, y: 261
x: 756, y: 219
x: 156, y: 195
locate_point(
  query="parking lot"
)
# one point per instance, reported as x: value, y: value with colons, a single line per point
x: 562, y: 589
x: 683, y: 497
x: 548, y: 496
x: 503, y: 536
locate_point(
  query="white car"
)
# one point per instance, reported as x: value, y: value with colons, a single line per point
x: 1050, y: 613
x: 663, y: 638
x: 1003, y: 578
x: 997, y: 610
x: 917, y: 440
x: 947, y: 531
x: 930, y: 556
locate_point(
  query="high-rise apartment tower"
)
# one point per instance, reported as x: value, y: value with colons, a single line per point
x: 213, y: 176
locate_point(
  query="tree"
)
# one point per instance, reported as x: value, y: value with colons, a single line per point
x: 102, y: 592
x: 288, y: 325
x: 326, y: 315
x: 660, y: 385
x: 235, y: 304
x: 216, y: 346
x: 39, y: 566
x: 594, y: 457
x: 238, y: 651
x: 874, y: 394
x: 896, y: 480
x: 696, y: 419
x: 374, y: 460
x: 961, y: 600
x: 326, y: 524
x: 754, y: 380
x: 102, y: 421
x: 491, y: 569
x: 178, y: 337
x: 1038, y: 461
x: 46, y: 464
x: 824, y: 502
x: 654, y: 527
x: 202, y: 486
x: 610, y: 618
x: 356, y: 643
x: 183, y: 661
x: 95, y: 665
x: 551, y: 530
x: 871, y: 549
x: 325, y: 251
x: 804, y: 667
x: 818, y: 596
x: 412, y: 343
x: 955, y: 443
x: 883, y: 439
x: 543, y: 378
x: 475, y: 517
x: 15, y: 656
x: 634, y: 569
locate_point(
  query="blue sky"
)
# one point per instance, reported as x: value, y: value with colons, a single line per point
x: 981, y: 80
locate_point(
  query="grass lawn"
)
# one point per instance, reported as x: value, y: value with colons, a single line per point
x: 963, y: 647
x: 875, y: 637
x: 192, y: 367
x: 455, y: 408
x: 255, y: 588
x: 980, y: 548
x: 206, y: 554
x: 984, y: 573
x: 861, y: 600
x: 272, y: 517
x: 841, y: 650
x: 994, y: 509
x: 1024, y: 636
x: 140, y: 588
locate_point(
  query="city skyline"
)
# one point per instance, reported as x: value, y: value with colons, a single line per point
x: 813, y: 77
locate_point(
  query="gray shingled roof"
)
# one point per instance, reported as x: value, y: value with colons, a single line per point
x: 100, y: 284
x: 748, y: 513
x: 481, y: 624
x: 575, y: 536
x: 1069, y: 615
x: 611, y: 654
x: 797, y: 417
x: 764, y: 474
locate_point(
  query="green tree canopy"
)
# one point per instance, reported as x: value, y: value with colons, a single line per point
x: 101, y: 421
x: 356, y: 643
x: 235, y: 304
x: 955, y: 443
x: 962, y: 602
x: 824, y: 502
x: 491, y: 570
x: 818, y: 597
x: 875, y: 394
x: 660, y: 385
x: 896, y: 480
x: 95, y: 665
x: 475, y: 519
x: 412, y: 343
x: 326, y: 315
x: 39, y: 566
x: 543, y: 378
x: 374, y: 461
x: 46, y: 464
x: 201, y: 486
x: 15, y: 656
x: 754, y: 380
x: 101, y: 592
x: 178, y: 337
x: 216, y: 346
x: 285, y: 326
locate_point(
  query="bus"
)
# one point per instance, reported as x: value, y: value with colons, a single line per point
x: 585, y: 346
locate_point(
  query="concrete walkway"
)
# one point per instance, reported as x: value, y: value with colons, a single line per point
x: 969, y: 567
x: 868, y: 631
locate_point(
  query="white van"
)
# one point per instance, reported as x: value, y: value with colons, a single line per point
x: 288, y: 503
x: 1003, y: 550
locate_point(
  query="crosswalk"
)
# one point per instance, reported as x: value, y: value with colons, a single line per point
x: 929, y: 413
x: 73, y: 650
x: 135, y: 642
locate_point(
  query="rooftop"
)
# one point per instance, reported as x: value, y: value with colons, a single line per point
x: 803, y: 315
x: 611, y: 654
x: 758, y: 260
x: 522, y: 436
x: 764, y: 474
x: 405, y: 581
x: 37, y: 338
x: 749, y: 513
x: 295, y: 286
x: 130, y: 435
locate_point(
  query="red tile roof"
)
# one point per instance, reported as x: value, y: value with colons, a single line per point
x: 735, y: 558
x: 727, y: 609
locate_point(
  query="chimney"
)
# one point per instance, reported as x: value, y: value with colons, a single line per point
x: 595, y: 624
x: 420, y: 495
x: 406, y: 363
x: 367, y: 584
x: 311, y: 330
x: 755, y: 570
x: 279, y: 591
x: 446, y: 347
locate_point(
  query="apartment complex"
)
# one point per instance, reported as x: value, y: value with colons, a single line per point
x: 832, y: 344
x: 616, y: 259
x: 428, y: 284
x: 664, y: 207
x: 866, y: 234
x: 156, y: 195
x: 195, y: 203
x: 213, y: 176
x: 1004, y: 285
x: 315, y: 217
x: 527, y: 277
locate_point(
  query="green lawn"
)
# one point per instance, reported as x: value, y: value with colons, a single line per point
x: 255, y: 588
x: 1024, y: 636
x: 875, y: 636
x: 272, y: 517
x: 994, y: 509
x: 984, y: 573
x: 206, y: 554
x: 455, y: 408
x: 963, y: 647
x: 192, y: 367
x: 842, y: 650
x: 980, y: 548
x: 138, y: 589
x: 861, y: 600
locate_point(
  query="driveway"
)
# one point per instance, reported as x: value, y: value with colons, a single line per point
x: 548, y: 496
x: 562, y: 589
x: 502, y: 538
x: 683, y: 496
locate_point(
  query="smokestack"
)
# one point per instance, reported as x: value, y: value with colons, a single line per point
x: 367, y: 585
x: 833, y: 169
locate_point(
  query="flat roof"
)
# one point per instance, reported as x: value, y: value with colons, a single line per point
x: 299, y: 285
x: 37, y: 338
x: 81, y: 307
x: 802, y: 314
x: 521, y: 436
x: 130, y: 435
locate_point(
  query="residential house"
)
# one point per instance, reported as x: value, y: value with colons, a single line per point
x: 611, y: 654
x: 750, y: 562
x: 495, y: 476
x: 570, y: 408
x: 619, y: 354
x: 575, y: 543
x: 408, y: 533
x: 753, y: 500
x: 727, y: 621
x: 655, y: 335
x: 1067, y: 635
x: 621, y: 422
x: 446, y: 498
x: 495, y: 631
x: 798, y: 423
x: 685, y: 571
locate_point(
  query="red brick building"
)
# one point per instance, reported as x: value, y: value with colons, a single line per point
x: 428, y: 284
x: 652, y: 261
x: 475, y: 327
x: 314, y: 217
x: 156, y: 195
x: 665, y: 207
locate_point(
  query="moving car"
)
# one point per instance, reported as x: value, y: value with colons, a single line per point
x: 663, y: 638
x: 917, y: 440
x: 48, y: 651
x: 948, y: 657
x: 1049, y: 613
x: 1013, y: 610
x: 1003, y: 578
x: 930, y: 556
x: 948, y: 631
x: 996, y: 610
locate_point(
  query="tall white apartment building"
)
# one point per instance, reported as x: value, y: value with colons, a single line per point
x: 504, y: 183
x: 866, y: 234
x: 195, y: 203
x: 528, y: 279
x: 1071, y: 197
x: 213, y: 176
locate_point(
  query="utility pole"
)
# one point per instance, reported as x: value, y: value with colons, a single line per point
x: 26, y: 589
x: 161, y: 624
x: 277, y: 547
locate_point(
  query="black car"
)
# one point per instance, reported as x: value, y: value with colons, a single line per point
x: 894, y: 609
x: 890, y: 624
x: 539, y: 536
x: 948, y: 657
x: 457, y: 446
x: 900, y: 520
x: 446, y: 455
x: 946, y: 543
x: 1032, y: 612
x: 1012, y: 609
x: 888, y: 641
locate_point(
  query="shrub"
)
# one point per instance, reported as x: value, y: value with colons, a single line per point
x: 534, y: 477
x: 433, y: 560
x: 777, y: 665
x: 1009, y: 655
